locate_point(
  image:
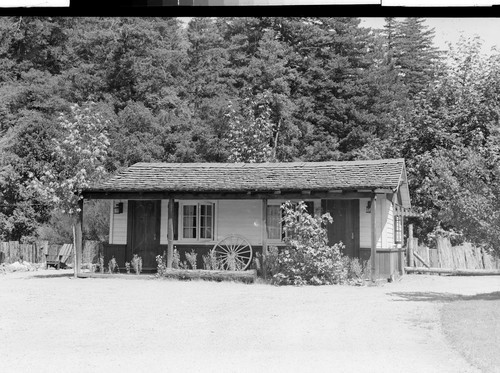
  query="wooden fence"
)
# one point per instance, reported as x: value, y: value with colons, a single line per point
x: 444, y: 255
x: 35, y: 253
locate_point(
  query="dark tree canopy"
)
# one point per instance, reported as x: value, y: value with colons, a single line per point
x: 259, y: 89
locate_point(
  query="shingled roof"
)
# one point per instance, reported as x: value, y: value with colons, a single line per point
x: 256, y: 177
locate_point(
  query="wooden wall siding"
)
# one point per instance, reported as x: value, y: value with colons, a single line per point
x: 243, y: 217
x: 385, y: 223
x: 388, y: 229
x: 388, y: 263
x: 118, y: 224
x: 164, y: 222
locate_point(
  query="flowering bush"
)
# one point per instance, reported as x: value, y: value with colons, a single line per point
x: 81, y: 155
x: 136, y: 263
x: 306, y: 258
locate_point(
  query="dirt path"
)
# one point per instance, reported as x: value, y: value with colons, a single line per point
x: 59, y: 324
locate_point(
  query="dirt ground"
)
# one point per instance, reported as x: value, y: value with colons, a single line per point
x: 51, y: 322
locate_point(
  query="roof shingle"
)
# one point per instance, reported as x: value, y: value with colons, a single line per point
x: 254, y: 177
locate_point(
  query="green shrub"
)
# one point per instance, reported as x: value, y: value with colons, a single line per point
x: 306, y: 258
x: 210, y: 261
x: 191, y: 258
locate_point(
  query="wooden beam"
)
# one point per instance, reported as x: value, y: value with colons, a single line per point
x: 373, y: 261
x: 455, y: 272
x: 78, y: 238
x: 226, y: 195
x: 421, y: 260
x: 217, y: 275
x: 409, y: 243
x: 170, y: 233
x: 264, y: 237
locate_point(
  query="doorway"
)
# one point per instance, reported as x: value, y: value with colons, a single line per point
x: 144, y: 231
x: 345, y: 226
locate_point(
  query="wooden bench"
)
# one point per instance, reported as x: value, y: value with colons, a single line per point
x: 57, y: 257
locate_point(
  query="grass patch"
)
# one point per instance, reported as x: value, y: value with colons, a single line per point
x: 473, y: 329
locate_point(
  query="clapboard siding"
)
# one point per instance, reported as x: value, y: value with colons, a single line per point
x: 243, y: 217
x: 389, y: 225
x: 384, y: 224
x: 118, y: 224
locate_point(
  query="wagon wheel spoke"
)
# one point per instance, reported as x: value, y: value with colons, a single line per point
x: 234, y: 252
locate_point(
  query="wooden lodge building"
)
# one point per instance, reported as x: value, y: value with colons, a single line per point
x: 160, y: 206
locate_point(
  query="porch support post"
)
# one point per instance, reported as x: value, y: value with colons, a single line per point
x: 170, y: 233
x: 401, y: 261
x: 373, y: 261
x: 78, y: 239
x: 264, y: 237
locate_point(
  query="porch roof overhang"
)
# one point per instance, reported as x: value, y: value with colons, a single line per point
x: 352, y: 179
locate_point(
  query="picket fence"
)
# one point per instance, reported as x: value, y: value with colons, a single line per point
x: 444, y: 255
x: 13, y: 251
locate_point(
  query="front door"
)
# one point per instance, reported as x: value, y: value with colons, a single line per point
x: 345, y: 226
x: 144, y: 231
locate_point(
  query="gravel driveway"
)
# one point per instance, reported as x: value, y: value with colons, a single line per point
x: 50, y: 322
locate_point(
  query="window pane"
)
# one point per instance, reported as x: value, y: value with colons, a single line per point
x: 274, y: 222
x: 206, y: 221
x: 189, y: 221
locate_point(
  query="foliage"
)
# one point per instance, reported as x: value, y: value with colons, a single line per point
x: 250, y: 132
x: 306, y: 258
x: 161, y: 265
x: 127, y: 266
x: 20, y: 207
x: 113, y: 266
x: 136, y: 263
x: 80, y: 157
x: 210, y: 261
x: 191, y: 258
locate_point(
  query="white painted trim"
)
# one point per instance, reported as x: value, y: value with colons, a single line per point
x: 197, y: 203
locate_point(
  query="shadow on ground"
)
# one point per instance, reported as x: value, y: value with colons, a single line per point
x: 421, y: 296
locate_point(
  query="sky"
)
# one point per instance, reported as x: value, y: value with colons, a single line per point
x: 450, y: 29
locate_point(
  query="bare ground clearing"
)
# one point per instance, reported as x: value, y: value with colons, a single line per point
x: 54, y: 323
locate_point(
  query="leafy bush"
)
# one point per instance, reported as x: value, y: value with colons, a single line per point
x: 210, y: 261
x: 307, y: 258
x: 191, y: 258
x: 136, y: 263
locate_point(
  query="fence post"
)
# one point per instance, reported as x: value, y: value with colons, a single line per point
x: 410, y: 245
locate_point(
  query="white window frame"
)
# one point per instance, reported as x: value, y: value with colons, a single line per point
x: 197, y: 203
x: 279, y: 202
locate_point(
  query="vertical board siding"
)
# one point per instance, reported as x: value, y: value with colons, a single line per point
x: 119, y: 225
x: 164, y: 222
x: 241, y: 217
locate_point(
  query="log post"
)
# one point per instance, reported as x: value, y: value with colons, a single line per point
x: 401, y: 252
x: 410, y: 245
x: 170, y: 233
x: 78, y: 239
x: 373, y: 260
x: 264, y: 237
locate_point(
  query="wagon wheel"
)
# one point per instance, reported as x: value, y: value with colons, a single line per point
x: 233, y: 253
